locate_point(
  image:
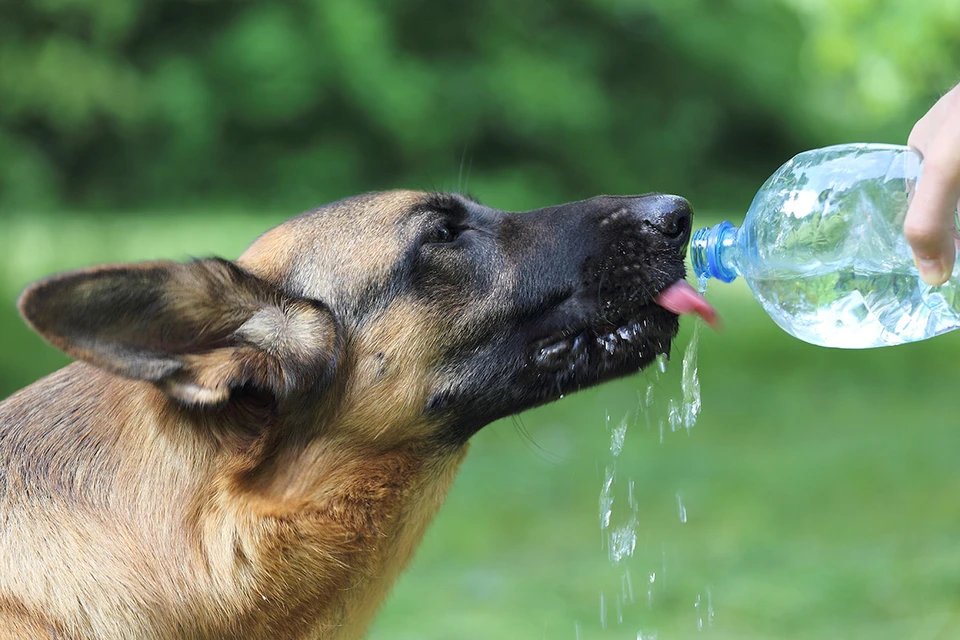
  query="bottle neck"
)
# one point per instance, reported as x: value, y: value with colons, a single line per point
x: 713, y: 252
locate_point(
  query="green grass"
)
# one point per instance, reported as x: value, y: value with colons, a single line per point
x: 822, y: 487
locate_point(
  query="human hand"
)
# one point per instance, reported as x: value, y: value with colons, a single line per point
x: 929, y: 225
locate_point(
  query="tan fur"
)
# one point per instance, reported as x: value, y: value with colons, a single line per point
x: 391, y: 363
x: 128, y: 515
x: 345, y: 252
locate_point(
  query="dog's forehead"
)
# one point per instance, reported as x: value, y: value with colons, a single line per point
x: 356, y: 240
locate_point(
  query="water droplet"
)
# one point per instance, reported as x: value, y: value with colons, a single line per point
x: 606, y: 498
x: 603, y: 612
x: 673, y: 415
x: 617, y: 436
x: 689, y: 381
x: 662, y: 361
x: 710, y: 612
x: 696, y: 606
x: 623, y: 541
x: 681, y: 509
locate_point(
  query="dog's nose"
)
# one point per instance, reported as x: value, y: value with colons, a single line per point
x: 670, y: 215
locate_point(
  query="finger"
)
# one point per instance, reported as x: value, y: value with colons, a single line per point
x: 928, y: 230
x: 929, y: 225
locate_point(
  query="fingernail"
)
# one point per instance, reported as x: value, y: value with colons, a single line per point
x: 931, y: 271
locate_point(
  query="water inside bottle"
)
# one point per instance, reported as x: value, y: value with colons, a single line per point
x: 858, y: 307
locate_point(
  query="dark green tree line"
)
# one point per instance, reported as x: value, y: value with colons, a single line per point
x: 118, y: 103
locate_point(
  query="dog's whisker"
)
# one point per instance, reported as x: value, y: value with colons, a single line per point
x: 532, y: 444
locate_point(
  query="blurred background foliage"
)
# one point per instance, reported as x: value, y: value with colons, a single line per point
x: 819, y: 488
x: 119, y: 103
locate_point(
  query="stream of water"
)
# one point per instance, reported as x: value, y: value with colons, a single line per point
x: 620, y: 529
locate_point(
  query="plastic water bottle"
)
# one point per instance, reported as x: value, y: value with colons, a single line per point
x: 822, y: 248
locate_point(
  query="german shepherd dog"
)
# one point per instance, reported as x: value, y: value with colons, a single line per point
x: 254, y: 449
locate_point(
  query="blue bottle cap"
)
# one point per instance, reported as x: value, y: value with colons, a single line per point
x: 705, y: 246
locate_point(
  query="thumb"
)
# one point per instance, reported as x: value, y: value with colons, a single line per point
x: 929, y: 225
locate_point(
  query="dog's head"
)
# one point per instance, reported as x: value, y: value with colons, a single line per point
x: 401, y: 314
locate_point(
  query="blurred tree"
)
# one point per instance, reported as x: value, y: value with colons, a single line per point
x: 115, y: 103
x: 874, y: 60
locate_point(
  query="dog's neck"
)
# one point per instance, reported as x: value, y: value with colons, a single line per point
x: 307, y: 550
x: 353, y: 526
x: 345, y: 517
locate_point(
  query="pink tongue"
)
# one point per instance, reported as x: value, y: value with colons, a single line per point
x: 680, y: 298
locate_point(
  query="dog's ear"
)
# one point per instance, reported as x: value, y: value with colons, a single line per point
x: 198, y: 330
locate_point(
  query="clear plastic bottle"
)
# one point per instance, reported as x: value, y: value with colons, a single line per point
x: 822, y: 248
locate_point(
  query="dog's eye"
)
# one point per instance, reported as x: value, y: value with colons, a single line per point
x: 442, y: 234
